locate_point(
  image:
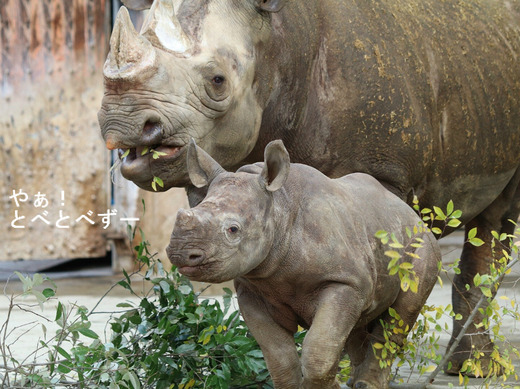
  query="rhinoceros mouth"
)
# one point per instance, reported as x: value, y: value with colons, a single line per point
x: 154, y: 152
x: 191, y: 271
x: 196, y: 271
x: 137, y: 164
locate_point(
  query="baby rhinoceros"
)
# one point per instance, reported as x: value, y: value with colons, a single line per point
x: 302, y: 250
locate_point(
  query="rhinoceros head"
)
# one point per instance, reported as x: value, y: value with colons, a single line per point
x: 191, y: 72
x: 232, y: 230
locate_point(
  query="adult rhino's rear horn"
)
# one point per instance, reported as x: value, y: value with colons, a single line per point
x: 162, y: 28
x: 130, y: 53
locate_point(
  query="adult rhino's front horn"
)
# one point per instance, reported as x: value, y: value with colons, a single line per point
x: 130, y: 53
x: 162, y: 28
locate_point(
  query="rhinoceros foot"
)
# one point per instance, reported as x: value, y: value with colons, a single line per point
x: 465, y: 351
x: 366, y: 385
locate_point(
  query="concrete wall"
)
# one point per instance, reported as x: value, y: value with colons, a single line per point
x: 51, y: 56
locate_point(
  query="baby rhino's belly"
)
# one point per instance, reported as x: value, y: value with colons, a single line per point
x: 387, y: 290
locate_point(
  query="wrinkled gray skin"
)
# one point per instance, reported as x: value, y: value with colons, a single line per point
x: 424, y: 95
x: 302, y: 250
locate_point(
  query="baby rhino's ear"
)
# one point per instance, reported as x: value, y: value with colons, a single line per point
x: 202, y: 169
x: 138, y: 5
x: 270, y: 5
x: 276, y: 166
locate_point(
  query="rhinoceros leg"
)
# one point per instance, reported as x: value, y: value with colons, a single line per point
x: 408, y: 305
x: 477, y: 260
x: 356, y: 347
x: 277, y: 343
x: 339, y: 309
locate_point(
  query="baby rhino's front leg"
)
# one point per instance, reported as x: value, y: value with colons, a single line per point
x: 276, y: 342
x: 338, y: 312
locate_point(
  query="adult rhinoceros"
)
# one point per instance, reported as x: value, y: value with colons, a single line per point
x: 424, y: 95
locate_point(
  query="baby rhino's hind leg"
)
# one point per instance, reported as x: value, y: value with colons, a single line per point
x: 356, y: 348
x: 408, y: 305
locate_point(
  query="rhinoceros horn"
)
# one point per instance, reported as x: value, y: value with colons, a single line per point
x: 162, y: 28
x: 130, y: 53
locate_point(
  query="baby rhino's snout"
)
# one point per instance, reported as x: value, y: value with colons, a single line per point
x: 182, y: 250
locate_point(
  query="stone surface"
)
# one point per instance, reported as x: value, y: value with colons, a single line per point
x: 50, y: 87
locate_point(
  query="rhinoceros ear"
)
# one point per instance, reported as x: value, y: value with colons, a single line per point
x: 202, y: 169
x: 270, y: 5
x: 276, y: 166
x: 137, y: 5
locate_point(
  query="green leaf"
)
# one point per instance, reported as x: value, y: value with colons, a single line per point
x: 486, y: 292
x: 392, y: 263
x: 476, y: 242
x: 392, y: 254
x: 228, y: 291
x: 159, y: 181
x: 439, y: 213
x: 406, y: 266
x: 472, y: 233
x: 437, y: 230
x: 449, y: 208
x: 132, y: 378
x: 456, y: 214
x: 40, y: 298
x: 48, y: 292
x: 127, y: 277
x: 157, y: 154
x: 59, y: 312
x: 26, y: 281
x: 124, y: 284
x: 165, y: 286
x: 63, y: 353
x: 185, y: 289
x: 37, y: 279
x: 185, y: 348
x: 454, y: 223
x: 405, y: 284
x: 381, y: 234
x: 124, y: 305
x: 476, y: 280
x: 125, y: 154
x: 62, y: 368
x: 88, y: 333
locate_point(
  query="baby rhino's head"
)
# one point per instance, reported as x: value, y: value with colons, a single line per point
x: 232, y: 230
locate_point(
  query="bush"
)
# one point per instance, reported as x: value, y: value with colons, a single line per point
x: 169, y: 339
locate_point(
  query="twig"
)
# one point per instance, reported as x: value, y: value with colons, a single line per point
x: 468, y: 322
x: 428, y: 383
x: 5, y: 325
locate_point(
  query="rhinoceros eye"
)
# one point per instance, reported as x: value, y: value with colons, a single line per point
x: 233, y: 229
x: 218, y: 80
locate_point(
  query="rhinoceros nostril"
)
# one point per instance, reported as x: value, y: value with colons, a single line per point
x: 152, y: 134
x: 196, y: 257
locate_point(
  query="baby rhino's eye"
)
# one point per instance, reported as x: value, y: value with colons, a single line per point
x: 233, y: 229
